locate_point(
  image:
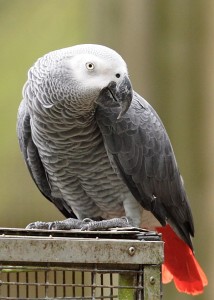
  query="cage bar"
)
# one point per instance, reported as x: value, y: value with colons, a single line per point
x: 115, y: 264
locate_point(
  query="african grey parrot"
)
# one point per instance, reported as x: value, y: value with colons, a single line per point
x: 98, y: 150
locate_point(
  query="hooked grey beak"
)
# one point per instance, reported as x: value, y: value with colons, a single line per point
x: 118, y: 95
x: 122, y: 94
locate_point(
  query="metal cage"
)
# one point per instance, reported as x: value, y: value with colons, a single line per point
x: 117, y: 264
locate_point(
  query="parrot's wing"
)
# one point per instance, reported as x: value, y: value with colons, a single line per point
x: 142, y: 151
x: 33, y: 161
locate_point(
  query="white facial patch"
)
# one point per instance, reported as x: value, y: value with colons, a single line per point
x: 96, y: 72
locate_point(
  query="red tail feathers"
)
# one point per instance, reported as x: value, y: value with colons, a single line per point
x: 180, y: 264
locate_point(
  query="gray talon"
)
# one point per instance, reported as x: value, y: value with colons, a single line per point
x: 84, y: 225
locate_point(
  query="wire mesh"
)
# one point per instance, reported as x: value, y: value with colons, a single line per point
x: 65, y: 283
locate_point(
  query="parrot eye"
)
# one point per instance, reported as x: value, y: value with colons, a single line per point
x: 118, y: 75
x: 90, y: 66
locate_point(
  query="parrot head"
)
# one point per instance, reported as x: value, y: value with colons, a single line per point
x: 89, y: 75
x: 103, y: 72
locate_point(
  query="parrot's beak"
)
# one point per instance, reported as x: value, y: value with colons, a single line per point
x: 117, y: 94
x: 122, y: 94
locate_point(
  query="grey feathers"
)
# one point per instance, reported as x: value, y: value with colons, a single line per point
x: 142, y: 152
x: 93, y: 146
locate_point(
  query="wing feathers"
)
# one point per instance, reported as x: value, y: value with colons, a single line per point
x: 33, y: 161
x: 144, y: 156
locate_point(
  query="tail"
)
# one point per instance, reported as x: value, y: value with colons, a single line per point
x: 180, y: 264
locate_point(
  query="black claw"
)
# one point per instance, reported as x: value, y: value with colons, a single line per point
x: 52, y: 225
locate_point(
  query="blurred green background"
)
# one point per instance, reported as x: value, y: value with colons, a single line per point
x: 169, y: 49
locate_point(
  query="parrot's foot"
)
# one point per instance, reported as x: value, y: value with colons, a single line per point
x: 85, y: 224
x: 90, y: 225
x: 57, y: 225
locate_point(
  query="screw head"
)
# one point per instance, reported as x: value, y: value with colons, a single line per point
x: 131, y: 251
x: 152, y: 280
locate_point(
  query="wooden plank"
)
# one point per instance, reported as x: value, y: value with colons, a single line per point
x: 69, y: 250
x: 152, y: 282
